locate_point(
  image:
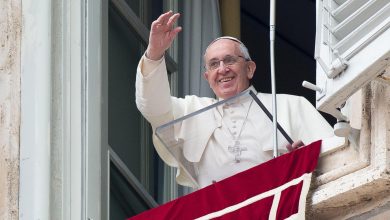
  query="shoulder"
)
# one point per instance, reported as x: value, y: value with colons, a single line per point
x: 286, y: 101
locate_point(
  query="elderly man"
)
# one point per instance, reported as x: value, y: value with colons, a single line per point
x: 229, y: 70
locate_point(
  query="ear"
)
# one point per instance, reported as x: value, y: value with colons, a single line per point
x: 206, y: 75
x: 251, y: 68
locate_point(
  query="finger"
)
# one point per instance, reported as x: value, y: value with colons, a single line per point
x: 163, y: 19
x: 159, y: 22
x: 172, y: 20
x: 174, y: 32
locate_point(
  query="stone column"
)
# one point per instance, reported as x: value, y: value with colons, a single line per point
x: 10, y: 37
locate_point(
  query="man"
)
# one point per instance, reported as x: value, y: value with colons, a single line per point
x: 229, y: 70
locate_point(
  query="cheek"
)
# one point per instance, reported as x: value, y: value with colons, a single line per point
x: 244, y: 75
x: 211, y: 78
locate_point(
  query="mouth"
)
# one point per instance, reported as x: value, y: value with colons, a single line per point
x: 226, y: 79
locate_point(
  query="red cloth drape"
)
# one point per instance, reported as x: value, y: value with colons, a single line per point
x: 241, y: 196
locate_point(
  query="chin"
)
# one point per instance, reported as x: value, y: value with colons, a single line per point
x: 228, y: 94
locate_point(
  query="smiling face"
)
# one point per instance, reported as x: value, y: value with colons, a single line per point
x: 227, y: 80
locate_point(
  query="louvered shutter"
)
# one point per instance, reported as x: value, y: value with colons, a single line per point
x: 352, y: 48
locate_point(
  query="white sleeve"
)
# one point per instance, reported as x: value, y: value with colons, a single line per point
x: 153, y: 96
x: 304, y: 121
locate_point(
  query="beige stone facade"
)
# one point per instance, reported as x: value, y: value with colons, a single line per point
x: 10, y: 37
x: 351, y: 183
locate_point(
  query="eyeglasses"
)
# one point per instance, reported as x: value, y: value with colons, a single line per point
x: 228, y: 60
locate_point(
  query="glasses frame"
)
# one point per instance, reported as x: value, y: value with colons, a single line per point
x: 207, y: 66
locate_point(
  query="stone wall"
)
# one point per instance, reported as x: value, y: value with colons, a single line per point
x: 10, y: 37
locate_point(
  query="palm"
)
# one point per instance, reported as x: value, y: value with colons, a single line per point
x: 162, y: 34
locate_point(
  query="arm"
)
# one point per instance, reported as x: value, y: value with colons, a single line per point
x: 153, y: 97
x: 152, y: 94
x: 152, y: 87
x: 308, y: 123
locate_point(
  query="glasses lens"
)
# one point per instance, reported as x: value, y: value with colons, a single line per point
x: 213, y: 65
x: 228, y: 60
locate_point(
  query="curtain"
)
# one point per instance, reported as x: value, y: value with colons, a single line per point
x: 201, y: 24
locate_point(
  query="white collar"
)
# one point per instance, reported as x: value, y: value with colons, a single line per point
x: 251, y: 88
x: 245, y: 100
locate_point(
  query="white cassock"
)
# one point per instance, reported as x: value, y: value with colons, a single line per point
x: 211, y: 153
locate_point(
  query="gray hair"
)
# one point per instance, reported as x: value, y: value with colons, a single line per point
x: 242, y: 47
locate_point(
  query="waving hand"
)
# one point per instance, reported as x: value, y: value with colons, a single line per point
x: 162, y: 33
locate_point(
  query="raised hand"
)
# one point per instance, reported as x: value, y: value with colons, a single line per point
x: 162, y: 33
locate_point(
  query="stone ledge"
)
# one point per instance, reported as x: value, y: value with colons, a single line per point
x: 348, y: 194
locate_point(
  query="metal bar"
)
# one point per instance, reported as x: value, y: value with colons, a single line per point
x: 273, y: 87
x: 131, y: 179
x: 201, y: 110
x: 139, y: 29
x: 269, y: 115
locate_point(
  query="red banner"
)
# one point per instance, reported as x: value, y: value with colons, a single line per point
x: 276, y: 189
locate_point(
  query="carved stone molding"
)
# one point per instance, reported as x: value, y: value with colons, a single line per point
x: 354, y: 181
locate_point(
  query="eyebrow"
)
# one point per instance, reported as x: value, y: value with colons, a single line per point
x: 213, y: 59
x: 228, y: 55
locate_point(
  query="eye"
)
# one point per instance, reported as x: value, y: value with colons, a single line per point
x: 213, y: 64
x: 229, y: 60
